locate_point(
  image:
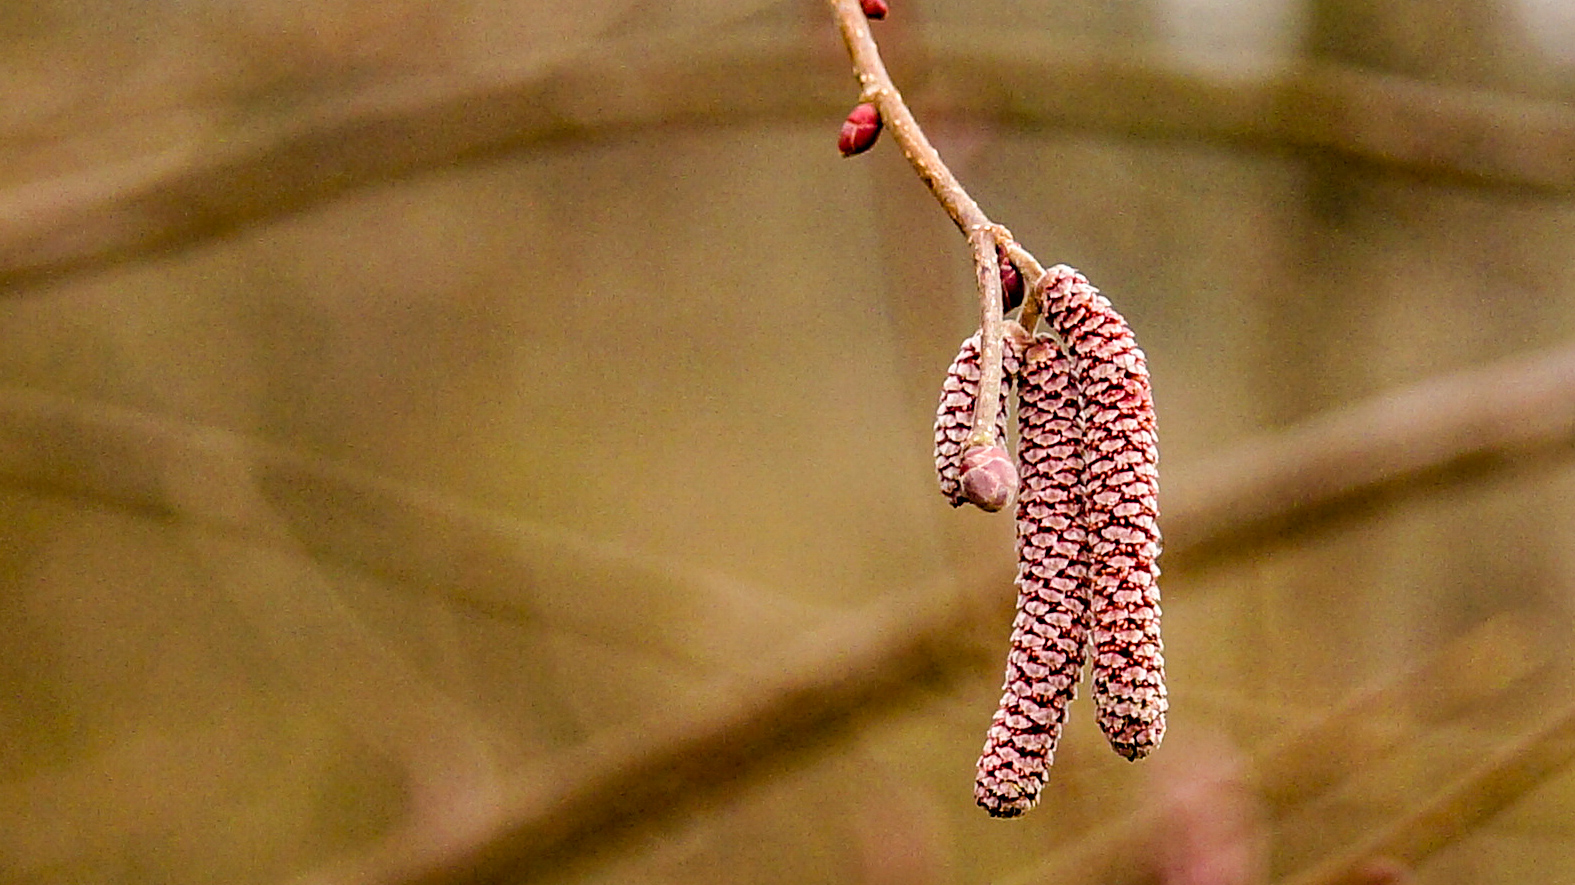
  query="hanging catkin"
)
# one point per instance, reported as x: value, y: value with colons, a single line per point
x: 1050, y: 633
x: 1120, y: 512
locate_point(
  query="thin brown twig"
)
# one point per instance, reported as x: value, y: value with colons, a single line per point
x: 988, y: 274
x: 876, y: 86
x: 984, y: 235
x: 1031, y: 269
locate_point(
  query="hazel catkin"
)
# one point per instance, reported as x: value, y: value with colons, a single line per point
x: 1050, y: 633
x: 1120, y: 512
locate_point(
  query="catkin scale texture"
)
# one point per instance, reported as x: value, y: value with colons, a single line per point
x: 1120, y: 485
x: 989, y: 478
x: 1050, y: 632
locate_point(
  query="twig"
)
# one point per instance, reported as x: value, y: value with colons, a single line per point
x: 983, y: 235
x: 876, y: 86
x: 1032, y: 270
x: 988, y: 273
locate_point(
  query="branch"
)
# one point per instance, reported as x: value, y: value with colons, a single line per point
x: 254, y: 167
x: 1033, y: 303
x: 284, y: 162
x: 876, y: 86
x: 983, y: 235
x: 575, y: 805
x: 987, y: 273
x: 1409, y: 444
x: 1470, y: 424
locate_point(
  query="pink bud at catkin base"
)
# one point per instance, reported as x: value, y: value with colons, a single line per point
x: 989, y: 479
x: 875, y: 9
x: 859, y: 130
x: 1050, y: 633
x: 1011, y: 283
x: 954, y: 413
x: 1120, y: 512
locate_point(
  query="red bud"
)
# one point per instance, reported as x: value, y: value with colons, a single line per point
x: 1011, y: 282
x: 989, y: 478
x: 875, y: 9
x: 860, y: 130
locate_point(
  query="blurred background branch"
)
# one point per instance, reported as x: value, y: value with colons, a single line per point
x: 309, y: 576
x: 250, y: 170
x: 1462, y: 427
x: 1448, y: 430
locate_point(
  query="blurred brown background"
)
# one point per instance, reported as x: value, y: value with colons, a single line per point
x: 489, y: 441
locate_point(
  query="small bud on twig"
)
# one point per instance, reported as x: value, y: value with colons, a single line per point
x: 874, y: 9
x: 954, y: 414
x: 860, y: 130
x: 1011, y: 283
x: 989, y: 479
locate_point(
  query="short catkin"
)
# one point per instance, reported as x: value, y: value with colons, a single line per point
x: 1120, y: 512
x: 1050, y: 633
x: 954, y: 413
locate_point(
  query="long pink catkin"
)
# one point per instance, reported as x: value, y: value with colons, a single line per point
x: 1050, y: 633
x: 1120, y: 513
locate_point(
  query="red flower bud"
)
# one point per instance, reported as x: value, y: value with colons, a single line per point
x: 1011, y: 282
x: 875, y: 9
x: 860, y: 130
x: 989, y: 479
